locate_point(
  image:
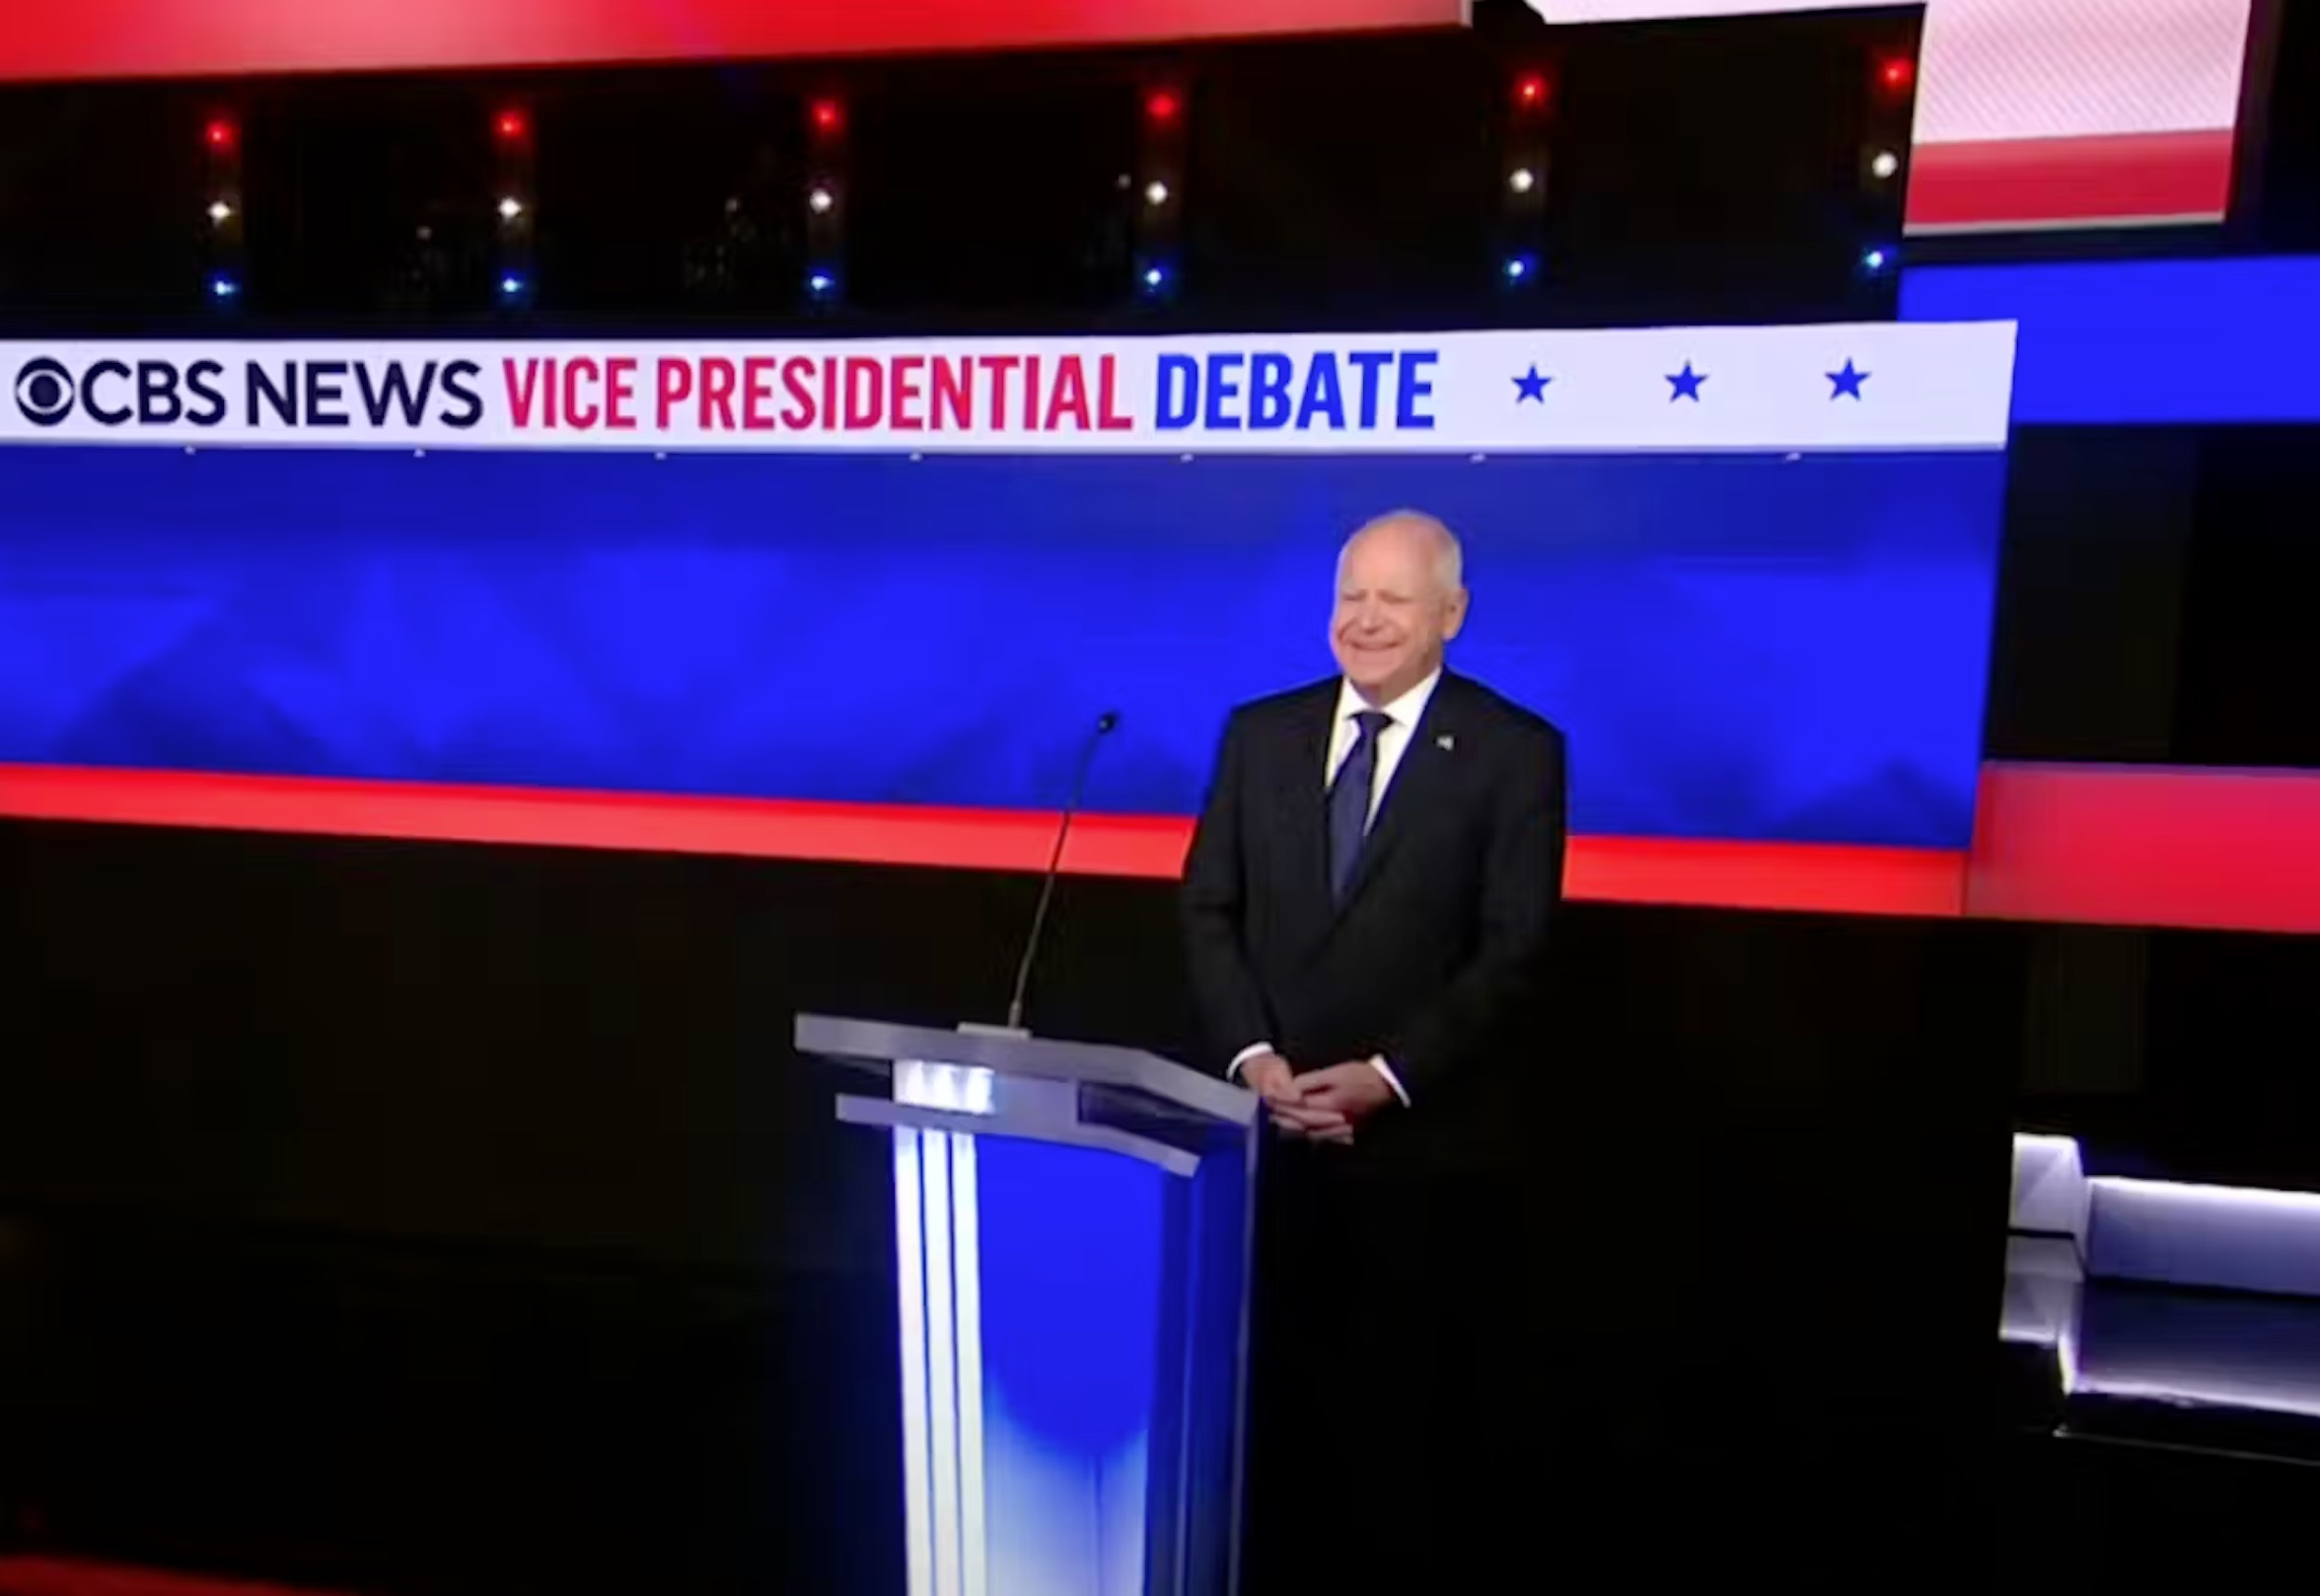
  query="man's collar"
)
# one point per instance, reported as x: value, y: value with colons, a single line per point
x: 1404, y: 711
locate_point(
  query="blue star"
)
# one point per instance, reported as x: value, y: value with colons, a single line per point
x: 1845, y: 382
x: 1686, y: 384
x: 1531, y: 386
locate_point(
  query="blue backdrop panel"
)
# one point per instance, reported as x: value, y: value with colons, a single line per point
x: 1740, y: 646
x: 2113, y: 342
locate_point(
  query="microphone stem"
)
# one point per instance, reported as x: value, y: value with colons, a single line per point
x: 1039, y: 918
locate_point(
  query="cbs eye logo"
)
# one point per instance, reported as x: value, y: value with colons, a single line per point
x: 46, y: 392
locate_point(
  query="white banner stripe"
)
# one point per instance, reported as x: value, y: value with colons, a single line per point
x: 1864, y: 386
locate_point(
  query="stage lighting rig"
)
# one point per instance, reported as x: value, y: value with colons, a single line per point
x: 1523, y: 163
x: 827, y: 173
x: 222, y: 252
x: 1892, y: 76
x: 516, y: 176
x: 1155, y: 227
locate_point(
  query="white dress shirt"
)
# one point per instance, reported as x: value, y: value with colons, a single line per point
x: 1393, y: 741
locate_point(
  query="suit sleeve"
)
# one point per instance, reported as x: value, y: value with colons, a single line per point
x: 1232, y: 1008
x: 1522, y: 885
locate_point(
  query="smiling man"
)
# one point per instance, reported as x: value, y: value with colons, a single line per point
x: 1366, y: 908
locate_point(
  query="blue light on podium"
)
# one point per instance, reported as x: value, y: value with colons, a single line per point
x: 1030, y: 1319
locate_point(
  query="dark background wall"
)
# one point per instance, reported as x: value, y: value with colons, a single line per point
x: 2148, y: 613
x: 446, y: 1218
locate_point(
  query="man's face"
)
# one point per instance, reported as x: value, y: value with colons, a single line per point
x: 1393, y: 616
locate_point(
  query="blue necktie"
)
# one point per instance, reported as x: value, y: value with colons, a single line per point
x: 1348, y: 801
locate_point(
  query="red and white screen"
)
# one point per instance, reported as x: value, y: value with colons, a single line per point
x: 2047, y: 113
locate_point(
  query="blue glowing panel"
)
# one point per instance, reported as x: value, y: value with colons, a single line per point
x: 2120, y: 341
x: 1743, y: 647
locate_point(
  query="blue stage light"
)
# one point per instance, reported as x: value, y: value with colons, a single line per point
x: 820, y: 284
x: 1521, y: 268
x: 224, y: 288
x: 1876, y: 261
x: 511, y: 286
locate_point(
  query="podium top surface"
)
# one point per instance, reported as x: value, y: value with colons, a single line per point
x: 877, y: 1044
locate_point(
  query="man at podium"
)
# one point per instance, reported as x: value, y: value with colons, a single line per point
x: 1366, y: 907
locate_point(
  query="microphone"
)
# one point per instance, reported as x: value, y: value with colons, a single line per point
x: 1106, y: 723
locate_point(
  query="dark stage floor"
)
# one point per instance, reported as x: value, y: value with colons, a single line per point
x: 349, y: 1418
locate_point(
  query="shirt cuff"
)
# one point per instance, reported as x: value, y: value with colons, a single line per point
x: 1255, y: 1049
x: 1395, y: 1081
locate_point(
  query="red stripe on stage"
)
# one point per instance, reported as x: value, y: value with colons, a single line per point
x: 2117, y: 844
x: 1731, y: 875
x: 117, y: 39
x: 2112, y: 845
x: 2116, y: 179
x: 648, y: 822
x: 1820, y: 877
x: 58, y: 1576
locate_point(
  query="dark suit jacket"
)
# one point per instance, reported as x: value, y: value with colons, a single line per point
x: 1435, y: 960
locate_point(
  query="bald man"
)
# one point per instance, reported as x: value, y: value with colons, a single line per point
x: 1367, y: 908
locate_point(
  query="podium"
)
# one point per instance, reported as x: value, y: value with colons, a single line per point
x: 1073, y: 1233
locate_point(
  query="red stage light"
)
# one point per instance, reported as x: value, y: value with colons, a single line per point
x: 1896, y: 73
x: 512, y: 125
x: 219, y: 134
x: 829, y: 116
x: 1162, y: 105
x: 1530, y: 90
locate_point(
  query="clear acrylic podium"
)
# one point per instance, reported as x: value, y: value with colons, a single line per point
x: 1073, y: 1228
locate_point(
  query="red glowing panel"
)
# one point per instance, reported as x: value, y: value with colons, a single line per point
x: 1896, y: 73
x: 826, y: 115
x: 1530, y: 92
x: 511, y: 125
x: 2128, y: 845
x: 1162, y: 106
x: 60, y: 1576
x: 118, y: 38
x: 219, y: 134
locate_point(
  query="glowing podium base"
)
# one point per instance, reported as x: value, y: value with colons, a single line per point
x: 1073, y: 1236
